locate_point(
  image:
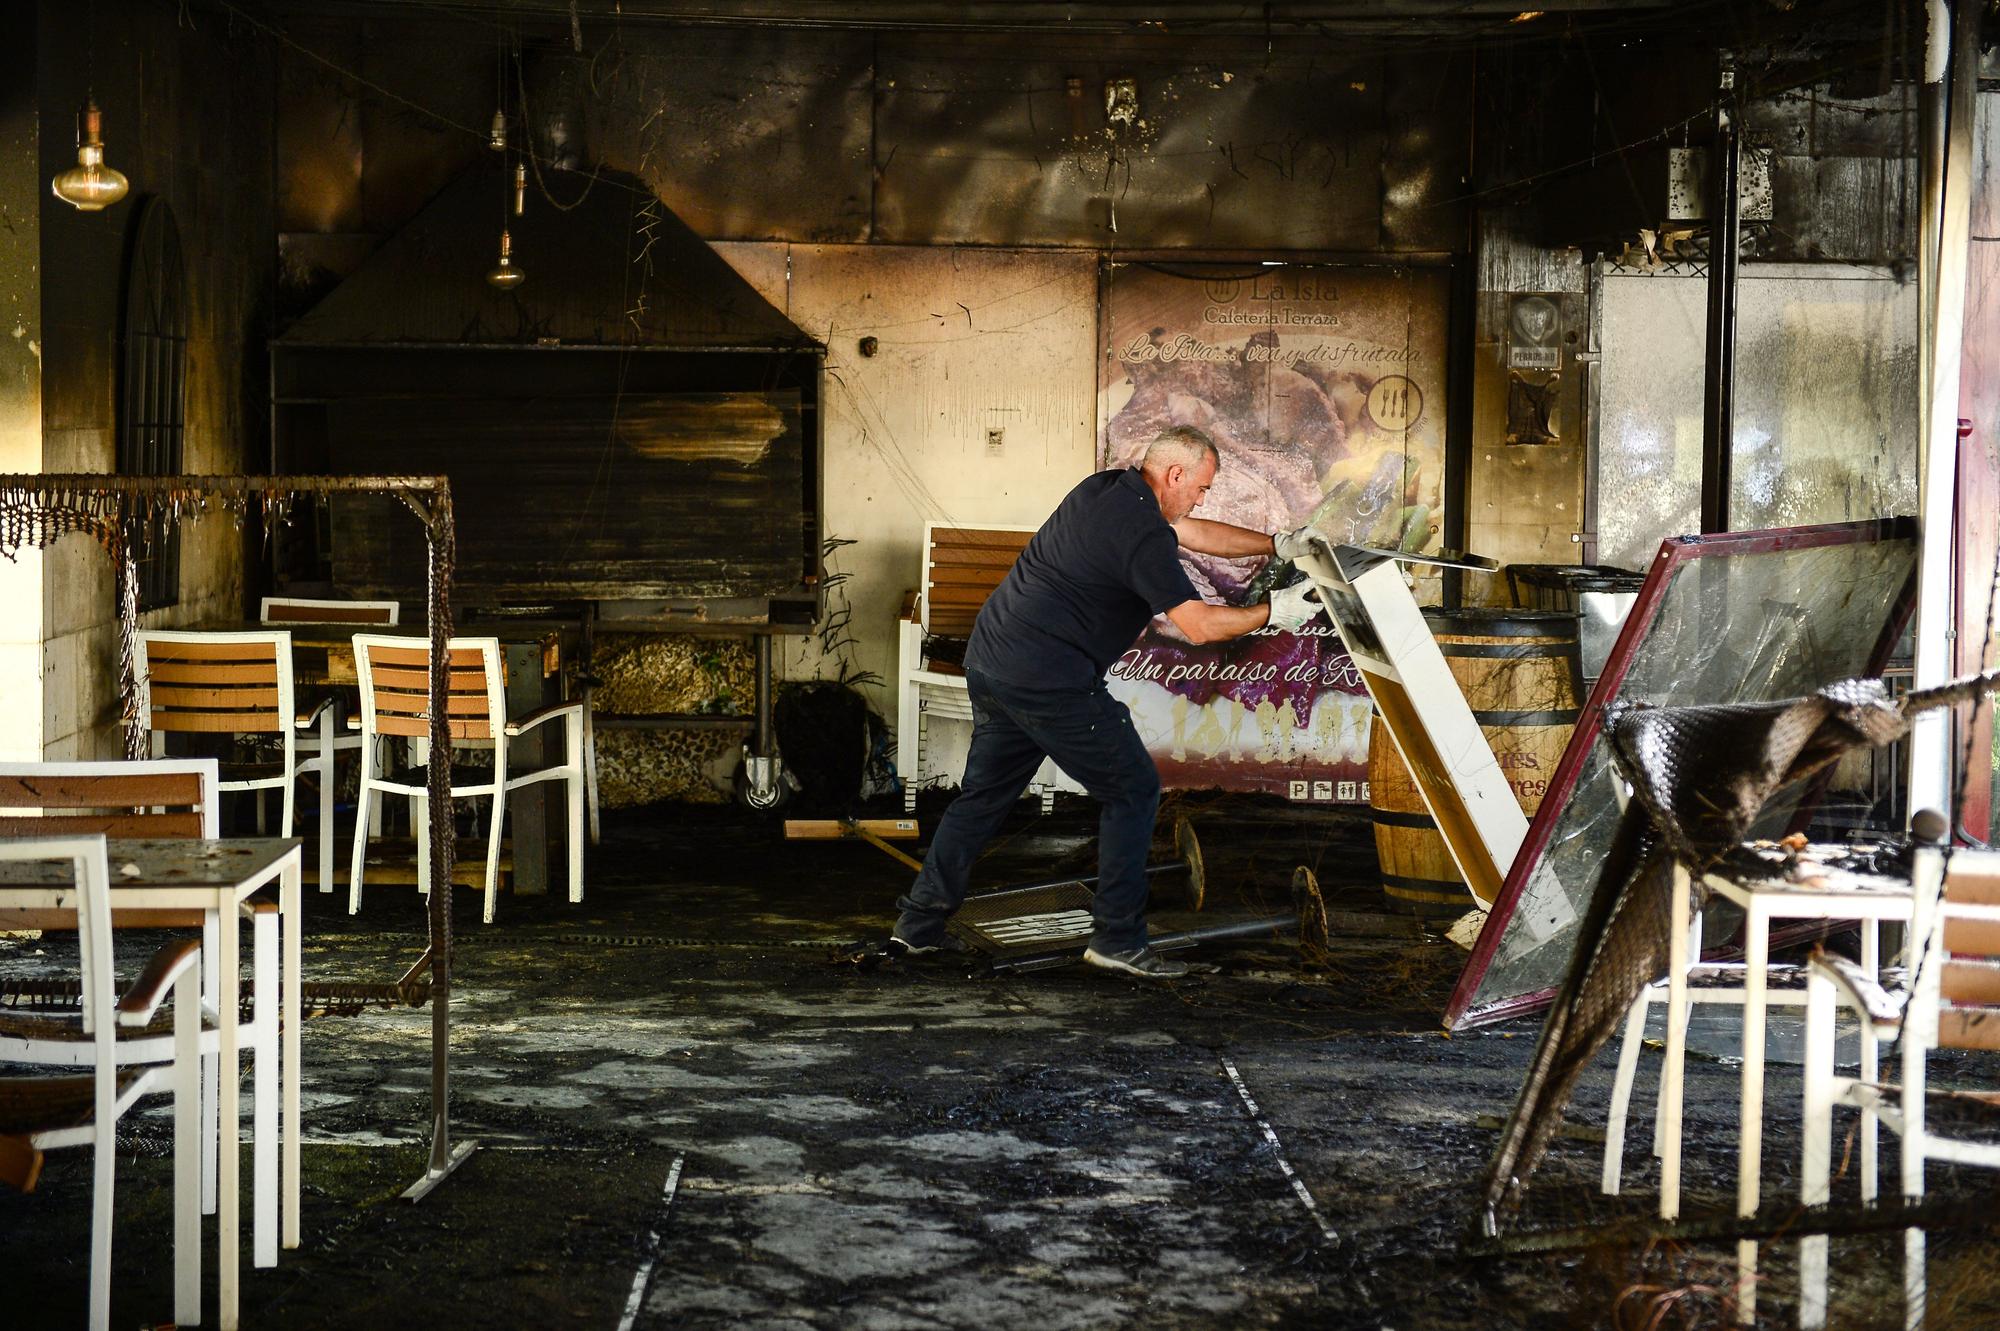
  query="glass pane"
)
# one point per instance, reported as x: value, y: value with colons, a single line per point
x: 1733, y: 626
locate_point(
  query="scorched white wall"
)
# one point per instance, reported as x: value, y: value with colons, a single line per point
x: 967, y: 341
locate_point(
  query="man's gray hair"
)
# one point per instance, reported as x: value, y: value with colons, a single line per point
x: 1179, y: 445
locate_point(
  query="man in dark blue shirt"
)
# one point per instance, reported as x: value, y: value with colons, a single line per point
x: 1103, y: 565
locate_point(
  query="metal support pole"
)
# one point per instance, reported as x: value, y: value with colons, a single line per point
x: 762, y: 740
x: 1951, y: 83
x: 1719, y: 382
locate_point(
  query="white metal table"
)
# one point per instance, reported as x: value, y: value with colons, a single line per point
x: 213, y: 877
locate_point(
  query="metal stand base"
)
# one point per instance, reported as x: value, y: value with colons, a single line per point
x: 437, y: 1174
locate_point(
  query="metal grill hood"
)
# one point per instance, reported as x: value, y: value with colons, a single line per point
x: 618, y: 269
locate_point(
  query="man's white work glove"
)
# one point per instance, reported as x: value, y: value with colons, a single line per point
x: 1294, y: 544
x: 1293, y: 607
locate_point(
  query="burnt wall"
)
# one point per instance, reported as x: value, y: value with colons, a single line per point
x: 187, y: 118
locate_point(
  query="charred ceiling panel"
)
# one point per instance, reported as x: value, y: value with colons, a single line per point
x: 319, y: 135
x: 1113, y: 144
x: 1426, y: 158
x: 411, y: 152
x: 750, y: 135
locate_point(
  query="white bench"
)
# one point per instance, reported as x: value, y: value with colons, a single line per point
x: 962, y: 566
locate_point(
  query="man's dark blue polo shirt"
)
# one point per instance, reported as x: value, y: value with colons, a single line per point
x: 1104, y: 563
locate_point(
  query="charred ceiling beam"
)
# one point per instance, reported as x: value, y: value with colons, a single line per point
x: 1407, y: 18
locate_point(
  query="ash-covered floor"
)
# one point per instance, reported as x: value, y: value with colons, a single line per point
x: 933, y: 1146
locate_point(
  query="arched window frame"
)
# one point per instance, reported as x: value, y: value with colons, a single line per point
x: 152, y: 406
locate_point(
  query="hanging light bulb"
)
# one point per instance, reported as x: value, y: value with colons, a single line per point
x: 504, y: 274
x: 520, y: 187
x: 496, y: 137
x: 90, y: 186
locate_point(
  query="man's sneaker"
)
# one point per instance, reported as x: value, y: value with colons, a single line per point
x: 1140, y: 961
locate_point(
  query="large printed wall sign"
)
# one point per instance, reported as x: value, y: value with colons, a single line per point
x: 1323, y: 389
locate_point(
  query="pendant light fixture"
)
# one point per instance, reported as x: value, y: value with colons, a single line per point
x: 90, y: 186
x: 504, y: 274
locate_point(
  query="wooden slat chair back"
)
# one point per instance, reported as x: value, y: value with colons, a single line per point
x: 299, y: 610
x: 1969, y: 969
x: 962, y: 567
x: 395, y: 687
x: 173, y: 797
x: 241, y: 684
x: 167, y: 797
x: 216, y: 683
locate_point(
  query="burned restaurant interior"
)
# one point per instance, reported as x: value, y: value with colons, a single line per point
x: 1038, y: 664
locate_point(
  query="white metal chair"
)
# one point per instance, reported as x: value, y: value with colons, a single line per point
x: 169, y: 798
x: 1952, y: 1001
x: 241, y: 684
x: 48, y: 1113
x: 1719, y: 982
x: 395, y: 678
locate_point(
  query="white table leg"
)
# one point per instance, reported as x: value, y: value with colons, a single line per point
x: 327, y: 725
x: 291, y: 919
x: 1871, y: 961
x: 1675, y: 1063
x: 1750, y: 1154
x: 228, y: 1184
x: 211, y: 1064
x: 1816, y: 1165
x: 264, y: 1104
x: 187, y: 1151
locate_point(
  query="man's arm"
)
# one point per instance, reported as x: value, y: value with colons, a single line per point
x: 1222, y: 539
x: 1200, y: 621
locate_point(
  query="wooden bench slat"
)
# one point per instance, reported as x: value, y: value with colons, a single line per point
x: 957, y: 538
x: 985, y: 578
x: 420, y: 727
x: 409, y: 703
x: 54, y: 791
x: 210, y: 651
x: 1971, y: 982
x: 327, y: 614
x: 219, y: 723
x: 181, y: 823
x: 464, y: 658
x: 405, y: 678
x: 1972, y: 938
x: 211, y: 672
x: 1972, y: 889
x: 1969, y: 1028
x: 166, y: 696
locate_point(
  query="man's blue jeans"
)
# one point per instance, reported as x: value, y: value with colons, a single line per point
x: 1090, y: 735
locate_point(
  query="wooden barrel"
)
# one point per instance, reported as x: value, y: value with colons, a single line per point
x: 1522, y: 676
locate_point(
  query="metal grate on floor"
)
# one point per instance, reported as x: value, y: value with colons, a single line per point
x: 1026, y: 922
